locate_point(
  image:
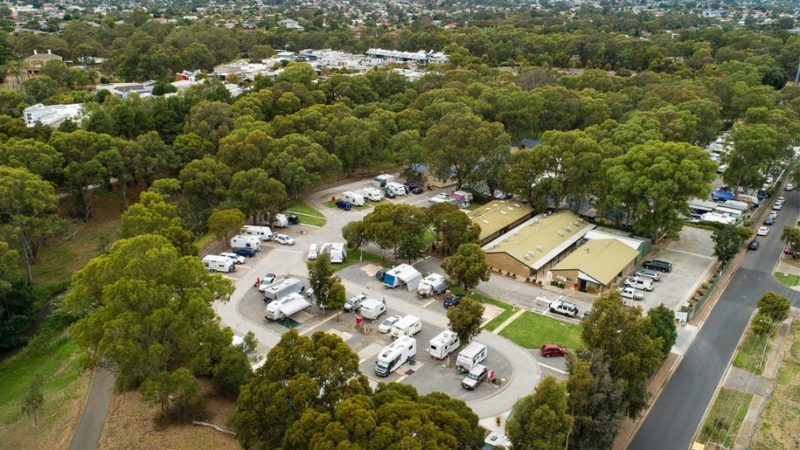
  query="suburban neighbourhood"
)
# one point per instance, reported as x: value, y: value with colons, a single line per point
x: 399, y: 225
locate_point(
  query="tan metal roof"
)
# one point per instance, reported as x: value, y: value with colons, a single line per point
x: 498, y: 214
x: 540, y: 239
x: 600, y: 259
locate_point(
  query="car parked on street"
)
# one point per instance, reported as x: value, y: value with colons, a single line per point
x: 754, y: 244
x: 762, y: 231
x: 655, y: 276
x: 343, y: 204
x: 451, y: 300
x: 655, y: 264
x: 564, y: 308
x: 550, y: 350
x: 789, y: 187
x: 282, y: 239
x: 238, y: 259
x: 777, y: 206
x: 386, y: 325
x: 769, y: 221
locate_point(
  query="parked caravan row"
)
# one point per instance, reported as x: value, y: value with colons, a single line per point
x: 337, y: 252
x: 218, y: 263
x: 264, y: 233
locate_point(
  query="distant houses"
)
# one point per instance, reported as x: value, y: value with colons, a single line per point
x: 33, y: 63
x: 52, y: 115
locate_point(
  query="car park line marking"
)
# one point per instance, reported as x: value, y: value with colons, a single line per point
x: 369, y: 351
x: 286, y: 250
x: 427, y: 304
x: 315, y: 326
x: 546, y: 366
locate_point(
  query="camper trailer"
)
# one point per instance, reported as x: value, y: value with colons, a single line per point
x: 372, y: 194
x: 471, y: 356
x: 382, y: 180
x: 396, y: 188
x: 337, y: 252
x: 443, y: 344
x: 372, y: 309
x: 282, y: 288
x: 402, y: 275
x: 433, y: 284
x: 217, y: 263
x: 262, y: 232
x: 406, y: 326
x: 395, y: 355
x: 353, y: 198
x: 280, y: 221
x: 286, y: 307
x: 246, y: 241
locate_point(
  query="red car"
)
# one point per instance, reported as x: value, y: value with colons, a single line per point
x: 549, y: 350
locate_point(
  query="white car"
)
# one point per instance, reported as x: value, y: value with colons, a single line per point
x: 789, y: 187
x: 386, y: 325
x: 440, y: 198
x: 781, y: 199
x: 282, y: 239
x: 312, y: 252
x: 238, y: 259
x: 631, y: 294
x: 267, y: 281
x: 762, y: 231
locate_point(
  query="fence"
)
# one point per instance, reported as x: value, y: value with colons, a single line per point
x: 710, y: 290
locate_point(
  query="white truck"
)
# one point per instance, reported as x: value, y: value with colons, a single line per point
x: 218, y: 263
x: 372, y: 194
x: 402, y: 275
x: 337, y: 252
x: 372, y: 309
x: 382, y: 180
x: 246, y: 241
x: 471, y: 356
x: 395, y: 355
x: 264, y: 233
x: 444, y: 343
x: 433, y: 284
x: 286, y: 307
x: 282, y: 288
x: 406, y: 326
x: 396, y: 188
x: 354, y: 198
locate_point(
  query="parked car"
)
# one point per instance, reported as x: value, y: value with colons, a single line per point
x: 345, y: 205
x: 500, y: 195
x: 379, y: 274
x: 475, y: 377
x: 649, y: 274
x: 388, y: 193
x: 386, y: 325
x: 722, y: 168
x: 564, y: 308
x: 354, y: 302
x: 762, y: 231
x: 754, y: 244
x: 313, y: 252
x: 769, y: 221
x: 439, y: 198
x: 773, y: 214
x: 238, y: 259
x: 777, y: 206
x: 451, y: 300
x: 292, y: 218
x: 631, y: 294
x: 413, y: 188
x: 781, y: 199
x: 267, y: 281
x: 655, y: 264
x: 282, y: 239
x: 549, y: 350
x: 787, y: 250
x: 245, y: 251
x: 789, y: 187
x: 643, y: 283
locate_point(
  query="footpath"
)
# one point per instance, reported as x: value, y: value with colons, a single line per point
x: 87, y: 434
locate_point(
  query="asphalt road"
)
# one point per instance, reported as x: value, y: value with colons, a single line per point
x: 676, y: 415
x: 90, y: 426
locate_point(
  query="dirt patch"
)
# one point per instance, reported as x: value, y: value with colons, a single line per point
x: 130, y: 426
x: 490, y: 312
x: 57, y: 422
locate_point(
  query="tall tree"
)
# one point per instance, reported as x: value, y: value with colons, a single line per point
x: 791, y: 235
x: 210, y: 120
x: 205, y: 185
x: 595, y: 402
x: 223, y: 222
x: 321, y: 279
x: 467, y: 266
x: 728, y: 240
x: 661, y: 324
x: 465, y: 319
x: 541, y: 421
x: 258, y: 195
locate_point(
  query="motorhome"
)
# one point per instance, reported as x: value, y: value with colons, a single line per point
x: 402, y: 275
x: 396, y: 188
x: 280, y: 221
x: 395, y: 355
x: 282, y: 288
x: 372, y: 194
x: 461, y: 198
x: 337, y: 252
x: 313, y: 252
x: 353, y: 198
x: 286, y: 307
x: 262, y: 232
x: 471, y: 356
x: 217, y: 263
x: 444, y: 343
x: 246, y: 241
x: 433, y: 284
x: 382, y: 180
x: 372, y: 309
x: 406, y: 326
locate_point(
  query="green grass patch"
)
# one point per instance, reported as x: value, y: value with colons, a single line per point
x: 355, y: 256
x: 725, y: 418
x: 428, y: 238
x: 751, y: 356
x: 787, y: 279
x: 57, y: 364
x: 204, y: 240
x: 306, y: 213
x: 508, y: 310
x: 531, y: 330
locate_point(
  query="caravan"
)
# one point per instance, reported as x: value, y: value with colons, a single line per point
x: 280, y: 221
x: 433, y: 284
x: 353, y: 198
x: 372, y: 309
x: 395, y: 355
x: 402, y: 275
x: 337, y: 252
x: 395, y: 188
x: 407, y: 326
x: 282, y: 288
x: 217, y: 263
x: 262, y: 232
x: 443, y: 344
x: 286, y: 307
x: 372, y: 194
x: 382, y: 180
x: 471, y: 356
x: 246, y: 241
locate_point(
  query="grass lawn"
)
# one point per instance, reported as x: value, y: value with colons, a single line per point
x: 751, y: 355
x: 354, y: 255
x: 787, y: 280
x: 531, y: 330
x: 508, y: 310
x: 725, y: 418
x: 306, y: 213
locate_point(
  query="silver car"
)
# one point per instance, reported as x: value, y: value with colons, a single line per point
x: 655, y: 276
x: 386, y: 325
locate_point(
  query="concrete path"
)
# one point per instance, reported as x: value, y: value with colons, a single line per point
x: 503, y: 325
x: 87, y: 434
x: 745, y: 381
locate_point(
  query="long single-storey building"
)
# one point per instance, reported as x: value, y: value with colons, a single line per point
x: 531, y: 249
x: 596, y: 265
x: 498, y: 217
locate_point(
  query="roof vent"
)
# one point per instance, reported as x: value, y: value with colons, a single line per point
x: 560, y: 233
x: 503, y: 213
x: 568, y: 229
x: 539, y: 248
x: 485, y: 221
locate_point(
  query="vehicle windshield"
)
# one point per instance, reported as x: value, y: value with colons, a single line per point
x: 473, y: 375
x: 382, y: 365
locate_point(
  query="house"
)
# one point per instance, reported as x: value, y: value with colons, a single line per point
x: 290, y: 24
x: 498, y: 217
x: 38, y: 60
x: 52, y: 115
x: 596, y: 265
x: 531, y: 249
x: 123, y: 90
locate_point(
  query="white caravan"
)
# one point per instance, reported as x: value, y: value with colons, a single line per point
x: 372, y: 309
x: 471, y: 356
x: 217, y: 263
x: 395, y: 355
x: 443, y: 344
x: 286, y: 307
x: 382, y: 180
x: 407, y: 326
x: 372, y: 194
x: 353, y: 198
x: 283, y: 288
x: 433, y: 284
x: 246, y: 241
x: 280, y: 221
x: 262, y: 232
x: 337, y: 252
x: 396, y: 188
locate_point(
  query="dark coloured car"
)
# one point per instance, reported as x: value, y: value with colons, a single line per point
x: 769, y: 221
x: 293, y: 219
x: 451, y: 300
x: 379, y: 274
x: 413, y: 188
x: 550, y: 350
x: 345, y: 205
x: 754, y: 244
x: 245, y: 251
x: 661, y: 266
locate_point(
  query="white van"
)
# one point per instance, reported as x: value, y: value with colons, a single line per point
x: 471, y: 356
x: 312, y: 252
x: 443, y: 344
x: 372, y: 194
x: 396, y: 188
x: 265, y: 233
x: 639, y: 283
x: 352, y: 197
x: 246, y: 241
x: 407, y: 326
x: 217, y: 263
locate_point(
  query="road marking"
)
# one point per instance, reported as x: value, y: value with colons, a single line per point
x: 315, y: 326
x: 553, y: 368
x: 426, y: 304
x: 286, y: 250
x: 697, y: 255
